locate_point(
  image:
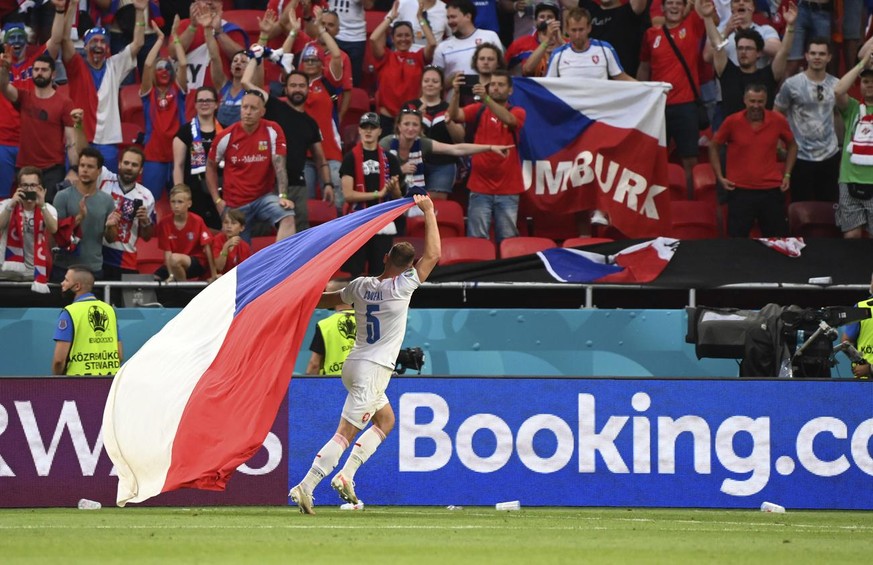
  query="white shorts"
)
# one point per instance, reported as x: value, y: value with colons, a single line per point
x: 366, y: 382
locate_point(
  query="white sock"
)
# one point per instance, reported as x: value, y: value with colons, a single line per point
x: 325, y: 461
x: 364, y: 448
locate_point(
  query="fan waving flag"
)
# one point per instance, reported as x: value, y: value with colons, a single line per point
x: 596, y: 144
x: 641, y: 263
x: 198, y: 399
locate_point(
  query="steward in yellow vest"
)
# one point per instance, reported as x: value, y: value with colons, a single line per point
x: 86, y: 337
x: 333, y: 341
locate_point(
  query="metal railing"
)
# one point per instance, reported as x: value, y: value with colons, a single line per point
x: 588, y: 289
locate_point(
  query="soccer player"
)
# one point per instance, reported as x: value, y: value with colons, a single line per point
x: 381, y: 306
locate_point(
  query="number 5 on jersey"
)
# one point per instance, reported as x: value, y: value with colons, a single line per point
x: 373, y: 333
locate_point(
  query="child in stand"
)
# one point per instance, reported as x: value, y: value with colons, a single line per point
x: 185, y: 241
x: 228, y: 248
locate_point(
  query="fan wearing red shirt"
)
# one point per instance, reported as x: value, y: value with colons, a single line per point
x: 331, y: 24
x: 400, y: 67
x: 19, y: 66
x: 162, y: 91
x: 323, y: 89
x: 495, y: 182
x: 228, y: 248
x: 253, y: 151
x: 185, y: 240
x: 659, y: 62
x: 755, y: 180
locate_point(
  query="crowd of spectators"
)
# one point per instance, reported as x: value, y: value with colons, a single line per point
x: 245, y: 121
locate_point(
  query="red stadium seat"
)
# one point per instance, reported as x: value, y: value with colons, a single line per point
x: 466, y: 250
x: 676, y: 180
x: 320, y: 211
x: 693, y: 220
x: 813, y: 219
x: 149, y: 257
x: 131, y: 134
x: 703, y: 178
x: 553, y: 225
x: 373, y: 18
x: 450, y: 219
x: 247, y: 20
x: 349, y: 137
x: 358, y: 106
x: 519, y: 246
x: 417, y: 243
x: 585, y: 241
x: 130, y: 105
x: 261, y: 241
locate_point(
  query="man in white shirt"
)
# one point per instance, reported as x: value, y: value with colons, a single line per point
x: 95, y: 79
x: 381, y: 307
x: 135, y: 205
x: 583, y: 56
x: 455, y: 54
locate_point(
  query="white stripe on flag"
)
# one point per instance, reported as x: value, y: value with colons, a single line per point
x: 150, y: 392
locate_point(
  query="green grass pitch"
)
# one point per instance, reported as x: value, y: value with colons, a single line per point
x: 423, y: 535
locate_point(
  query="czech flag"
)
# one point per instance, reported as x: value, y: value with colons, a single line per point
x: 641, y: 263
x: 596, y: 144
x: 198, y: 399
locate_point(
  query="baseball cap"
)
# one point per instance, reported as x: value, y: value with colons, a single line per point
x: 369, y: 119
x: 309, y: 53
x: 548, y: 5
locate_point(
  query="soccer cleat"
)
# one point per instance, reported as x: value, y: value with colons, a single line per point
x: 345, y: 488
x: 302, y: 499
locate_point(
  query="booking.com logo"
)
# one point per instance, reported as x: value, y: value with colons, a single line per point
x: 589, y: 441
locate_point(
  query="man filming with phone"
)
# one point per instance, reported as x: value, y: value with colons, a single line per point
x: 135, y: 205
x: 26, y: 219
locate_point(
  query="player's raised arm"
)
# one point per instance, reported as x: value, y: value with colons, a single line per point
x: 432, y: 247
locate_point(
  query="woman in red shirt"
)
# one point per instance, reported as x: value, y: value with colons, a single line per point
x: 400, y: 68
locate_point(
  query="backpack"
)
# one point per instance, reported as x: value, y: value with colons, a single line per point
x: 861, y: 147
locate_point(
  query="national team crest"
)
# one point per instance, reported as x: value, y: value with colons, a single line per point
x: 262, y: 146
x: 596, y: 59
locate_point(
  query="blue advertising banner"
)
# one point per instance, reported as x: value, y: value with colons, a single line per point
x: 604, y: 442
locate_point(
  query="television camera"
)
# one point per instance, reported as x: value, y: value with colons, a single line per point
x: 776, y: 341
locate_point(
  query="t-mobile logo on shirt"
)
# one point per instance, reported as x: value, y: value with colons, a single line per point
x: 248, y: 159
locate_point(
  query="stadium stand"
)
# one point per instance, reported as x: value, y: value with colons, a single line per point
x: 466, y: 250
x: 320, y: 211
x: 518, y: 246
x: 450, y: 219
x: 693, y: 220
x: 130, y: 105
x: 812, y: 219
x: 585, y: 241
x: 149, y: 257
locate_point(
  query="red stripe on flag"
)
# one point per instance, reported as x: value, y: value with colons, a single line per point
x: 232, y: 407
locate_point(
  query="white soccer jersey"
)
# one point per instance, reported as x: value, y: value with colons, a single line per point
x: 455, y: 55
x: 599, y: 61
x: 381, y: 307
x: 128, y: 226
x: 108, y: 113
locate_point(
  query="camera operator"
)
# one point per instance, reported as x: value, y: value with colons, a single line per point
x: 860, y: 334
x: 25, y: 220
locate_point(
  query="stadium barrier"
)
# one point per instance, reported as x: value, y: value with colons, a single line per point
x: 518, y: 342
x: 605, y: 442
x: 51, y: 451
x: 720, y: 443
